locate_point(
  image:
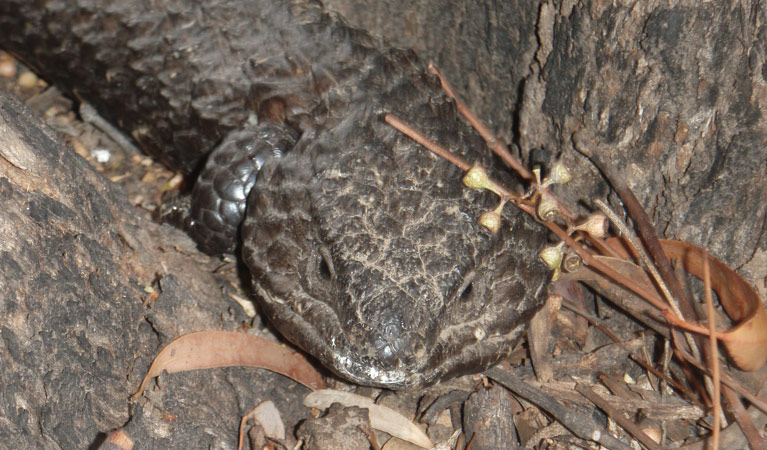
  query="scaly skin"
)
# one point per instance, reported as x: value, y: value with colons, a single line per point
x: 363, y: 248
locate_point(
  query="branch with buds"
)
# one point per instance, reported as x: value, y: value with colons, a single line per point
x: 583, y: 243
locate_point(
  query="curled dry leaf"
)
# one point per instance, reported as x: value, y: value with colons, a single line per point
x: 209, y: 349
x: 268, y: 417
x: 746, y: 342
x: 381, y: 417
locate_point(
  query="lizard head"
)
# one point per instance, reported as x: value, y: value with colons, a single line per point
x: 365, y: 251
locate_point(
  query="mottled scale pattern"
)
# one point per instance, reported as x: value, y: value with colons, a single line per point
x: 220, y: 193
x: 363, y: 247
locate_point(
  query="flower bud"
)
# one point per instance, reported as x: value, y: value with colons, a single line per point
x: 548, y: 208
x: 559, y: 174
x: 596, y: 225
x: 490, y: 220
x: 552, y: 257
x: 476, y: 178
x: 572, y: 262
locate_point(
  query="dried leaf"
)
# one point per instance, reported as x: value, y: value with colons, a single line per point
x: 381, y: 417
x: 209, y: 349
x: 746, y: 342
x: 117, y: 440
x: 539, y: 337
x: 268, y: 417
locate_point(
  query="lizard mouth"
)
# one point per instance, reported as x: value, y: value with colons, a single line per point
x: 385, y: 359
x: 395, y: 360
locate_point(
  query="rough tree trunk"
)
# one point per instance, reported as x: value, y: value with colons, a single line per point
x: 76, y: 263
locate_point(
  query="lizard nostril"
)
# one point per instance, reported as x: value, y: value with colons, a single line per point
x: 466, y: 293
x: 324, y: 269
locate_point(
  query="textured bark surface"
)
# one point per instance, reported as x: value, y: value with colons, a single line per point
x: 483, y: 47
x: 675, y: 89
x: 75, y: 339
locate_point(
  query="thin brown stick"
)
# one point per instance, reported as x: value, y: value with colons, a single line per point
x: 727, y: 380
x: 638, y: 359
x: 652, y: 269
x: 673, y: 383
x: 584, y: 141
x: 665, y: 361
x: 591, y: 319
x: 497, y: 146
x: 713, y: 356
x: 699, y: 329
x: 617, y: 416
x: 419, y: 137
x: 587, y: 257
x: 371, y: 437
x: 441, y: 151
x: 589, y: 260
x: 754, y: 438
x: 644, y: 257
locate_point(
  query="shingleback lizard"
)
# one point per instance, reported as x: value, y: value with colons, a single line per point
x: 364, y: 248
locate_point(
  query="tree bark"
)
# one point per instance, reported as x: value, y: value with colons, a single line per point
x: 77, y: 262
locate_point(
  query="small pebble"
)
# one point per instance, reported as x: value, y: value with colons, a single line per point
x: 102, y: 155
x: 7, y: 68
x: 27, y: 80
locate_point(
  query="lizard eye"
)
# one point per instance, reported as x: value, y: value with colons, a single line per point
x: 324, y: 269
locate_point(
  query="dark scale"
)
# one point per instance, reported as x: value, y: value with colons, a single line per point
x: 219, y: 197
x: 363, y: 247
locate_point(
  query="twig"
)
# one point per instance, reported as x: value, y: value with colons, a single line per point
x: 754, y: 438
x: 497, y: 146
x: 727, y: 380
x: 587, y: 257
x: 742, y: 434
x: 673, y: 383
x: 591, y: 319
x: 589, y: 260
x: 583, y: 142
x: 667, y: 355
x: 419, y: 137
x: 90, y: 115
x: 371, y: 437
x: 631, y: 237
x: 580, y: 424
x: 713, y: 355
x: 627, y: 425
x: 441, y: 151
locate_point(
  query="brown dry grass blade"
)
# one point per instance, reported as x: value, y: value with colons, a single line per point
x: 209, y: 349
x: 746, y: 342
